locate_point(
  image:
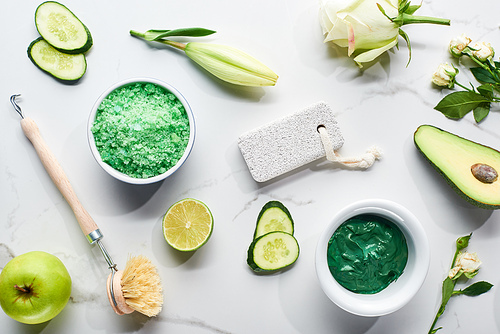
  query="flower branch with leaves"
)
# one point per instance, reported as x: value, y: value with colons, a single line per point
x: 464, y: 265
x: 478, y: 99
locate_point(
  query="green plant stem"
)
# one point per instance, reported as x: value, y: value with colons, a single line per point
x: 404, y: 18
x: 492, y: 99
x: 174, y: 44
x: 457, y: 251
x: 17, y: 287
x: 136, y: 34
x: 453, y: 282
x: 433, y: 330
x: 481, y: 64
x: 469, y: 90
x: 444, y: 301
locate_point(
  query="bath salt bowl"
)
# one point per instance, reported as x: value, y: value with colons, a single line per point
x: 399, y: 292
x: 123, y: 176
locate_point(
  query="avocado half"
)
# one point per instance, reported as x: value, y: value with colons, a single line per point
x: 454, y: 157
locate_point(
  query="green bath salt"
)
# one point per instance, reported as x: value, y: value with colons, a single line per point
x: 141, y: 130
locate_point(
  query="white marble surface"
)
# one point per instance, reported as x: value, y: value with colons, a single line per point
x: 213, y: 290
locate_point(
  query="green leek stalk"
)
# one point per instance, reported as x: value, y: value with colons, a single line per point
x: 224, y: 62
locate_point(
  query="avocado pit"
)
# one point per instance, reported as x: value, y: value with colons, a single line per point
x: 484, y: 173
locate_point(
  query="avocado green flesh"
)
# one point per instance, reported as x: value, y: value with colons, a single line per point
x: 453, y: 157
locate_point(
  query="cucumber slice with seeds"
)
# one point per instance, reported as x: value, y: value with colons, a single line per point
x: 60, y: 65
x: 273, y: 216
x: 273, y: 251
x: 61, y: 28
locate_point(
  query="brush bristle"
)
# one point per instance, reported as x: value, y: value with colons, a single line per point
x: 141, y: 286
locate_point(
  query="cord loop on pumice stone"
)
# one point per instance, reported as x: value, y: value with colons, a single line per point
x: 365, y: 160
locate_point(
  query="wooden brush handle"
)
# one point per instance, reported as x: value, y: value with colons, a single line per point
x: 57, y: 175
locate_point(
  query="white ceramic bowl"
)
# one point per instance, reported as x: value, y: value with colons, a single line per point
x: 399, y: 292
x: 119, y: 175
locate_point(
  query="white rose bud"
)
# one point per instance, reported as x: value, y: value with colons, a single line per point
x: 482, y: 51
x: 458, y: 44
x: 467, y: 263
x: 445, y: 75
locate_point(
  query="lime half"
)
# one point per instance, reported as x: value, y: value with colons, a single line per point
x: 187, y: 225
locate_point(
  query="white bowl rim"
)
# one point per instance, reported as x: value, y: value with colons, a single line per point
x: 398, y: 293
x: 122, y: 176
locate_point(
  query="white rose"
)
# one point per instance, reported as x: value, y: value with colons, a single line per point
x: 444, y: 75
x: 359, y: 25
x: 458, y: 44
x: 482, y: 51
x: 368, y: 28
x: 467, y: 263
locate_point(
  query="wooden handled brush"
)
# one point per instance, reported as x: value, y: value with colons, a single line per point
x: 138, y: 287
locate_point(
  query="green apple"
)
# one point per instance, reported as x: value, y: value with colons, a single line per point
x: 34, y: 287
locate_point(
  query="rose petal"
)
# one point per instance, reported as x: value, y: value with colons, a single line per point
x: 374, y: 53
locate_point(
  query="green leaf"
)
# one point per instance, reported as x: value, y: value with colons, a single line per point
x: 154, y: 35
x: 434, y: 331
x: 447, y: 292
x: 412, y: 9
x: 481, y: 111
x: 482, y: 75
x: 457, y: 276
x: 403, y: 6
x: 383, y: 12
x: 477, y: 288
x: 471, y: 275
x: 407, y: 39
x: 462, y: 243
x: 486, y: 91
x: 458, y: 104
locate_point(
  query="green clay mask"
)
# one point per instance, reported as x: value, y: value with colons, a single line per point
x: 366, y: 253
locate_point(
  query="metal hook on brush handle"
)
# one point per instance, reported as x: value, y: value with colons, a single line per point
x: 16, y: 106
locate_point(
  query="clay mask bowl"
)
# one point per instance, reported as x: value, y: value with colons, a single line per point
x: 399, y: 292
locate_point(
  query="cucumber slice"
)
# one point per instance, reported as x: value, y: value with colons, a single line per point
x: 273, y: 216
x: 273, y: 251
x: 61, y: 28
x: 60, y: 65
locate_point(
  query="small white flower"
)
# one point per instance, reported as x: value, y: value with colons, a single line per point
x: 482, y: 51
x: 466, y: 263
x: 445, y: 75
x: 458, y: 44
